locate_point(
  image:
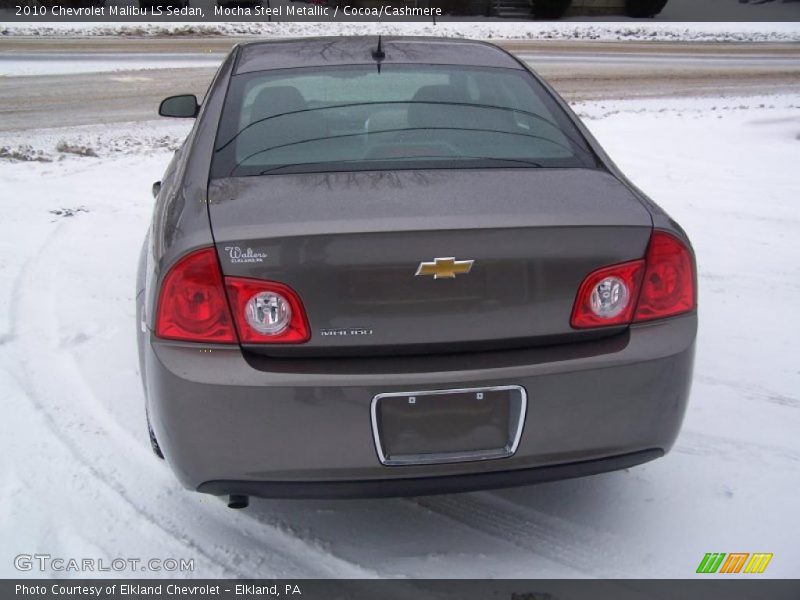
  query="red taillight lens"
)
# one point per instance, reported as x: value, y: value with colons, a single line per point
x: 668, y: 285
x: 660, y: 286
x: 192, y: 306
x: 608, y: 296
x: 267, y: 312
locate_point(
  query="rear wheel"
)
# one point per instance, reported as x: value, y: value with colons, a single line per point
x: 644, y: 9
x: 550, y: 9
x: 153, y: 441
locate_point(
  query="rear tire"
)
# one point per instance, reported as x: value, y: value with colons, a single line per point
x: 644, y: 9
x: 153, y: 441
x: 550, y: 9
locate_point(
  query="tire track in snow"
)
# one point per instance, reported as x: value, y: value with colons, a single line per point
x: 581, y: 548
x: 304, y: 555
x: 27, y: 380
x: 703, y: 444
x: 753, y: 392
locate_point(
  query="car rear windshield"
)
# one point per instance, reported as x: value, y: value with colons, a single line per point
x: 399, y: 117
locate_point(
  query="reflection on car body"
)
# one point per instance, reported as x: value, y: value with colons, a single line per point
x: 404, y: 269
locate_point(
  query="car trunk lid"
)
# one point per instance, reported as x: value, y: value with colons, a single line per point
x: 352, y: 245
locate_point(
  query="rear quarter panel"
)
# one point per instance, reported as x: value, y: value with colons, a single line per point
x: 180, y: 217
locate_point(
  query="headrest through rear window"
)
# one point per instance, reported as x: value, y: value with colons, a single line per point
x: 277, y: 100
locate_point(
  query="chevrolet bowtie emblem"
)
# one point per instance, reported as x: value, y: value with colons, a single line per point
x: 445, y: 268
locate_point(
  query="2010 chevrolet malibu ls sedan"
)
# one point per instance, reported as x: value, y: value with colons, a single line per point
x: 398, y: 267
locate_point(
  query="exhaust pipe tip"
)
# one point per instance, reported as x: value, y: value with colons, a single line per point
x: 237, y: 501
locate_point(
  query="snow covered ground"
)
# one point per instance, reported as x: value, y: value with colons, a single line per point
x: 627, y: 30
x: 78, y: 480
x: 33, y: 64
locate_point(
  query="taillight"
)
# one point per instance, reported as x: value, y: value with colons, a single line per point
x: 608, y: 296
x: 192, y: 306
x: 267, y: 312
x: 668, y: 285
x: 661, y: 285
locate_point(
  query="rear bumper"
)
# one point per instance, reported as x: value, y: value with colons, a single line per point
x: 425, y: 486
x: 228, y: 423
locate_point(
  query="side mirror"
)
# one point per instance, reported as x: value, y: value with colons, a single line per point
x: 182, y: 107
x: 156, y: 189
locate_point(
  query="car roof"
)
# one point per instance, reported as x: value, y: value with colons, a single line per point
x: 358, y: 50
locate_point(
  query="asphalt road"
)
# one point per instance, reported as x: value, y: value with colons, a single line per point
x: 578, y: 70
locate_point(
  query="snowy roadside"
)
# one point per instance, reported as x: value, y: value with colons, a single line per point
x: 28, y: 65
x: 566, y: 30
x: 93, y: 141
x: 78, y: 478
x: 147, y: 137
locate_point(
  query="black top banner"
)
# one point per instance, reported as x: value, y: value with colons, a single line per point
x: 200, y: 11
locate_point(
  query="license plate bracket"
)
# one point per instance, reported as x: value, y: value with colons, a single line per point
x: 448, y: 426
